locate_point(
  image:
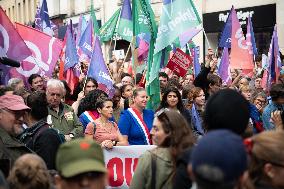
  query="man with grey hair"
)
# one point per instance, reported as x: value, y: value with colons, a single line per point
x: 16, y: 84
x: 61, y: 116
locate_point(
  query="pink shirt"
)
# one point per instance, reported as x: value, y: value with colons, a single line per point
x: 103, y: 133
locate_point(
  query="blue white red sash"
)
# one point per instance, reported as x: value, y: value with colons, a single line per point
x: 87, y: 117
x: 137, y: 116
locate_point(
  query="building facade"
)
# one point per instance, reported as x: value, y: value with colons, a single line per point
x: 265, y: 13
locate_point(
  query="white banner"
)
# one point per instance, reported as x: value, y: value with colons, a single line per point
x: 121, y: 162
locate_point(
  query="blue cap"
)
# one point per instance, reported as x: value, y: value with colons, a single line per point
x: 219, y: 157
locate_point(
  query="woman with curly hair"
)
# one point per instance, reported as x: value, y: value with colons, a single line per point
x: 82, y: 89
x: 157, y: 167
x: 172, y: 100
x: 87, y: 110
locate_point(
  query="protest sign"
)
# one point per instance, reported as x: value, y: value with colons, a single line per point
x: 180, y: 62
x: 121, y: 162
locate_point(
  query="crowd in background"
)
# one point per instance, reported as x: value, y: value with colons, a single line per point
x: 208, y: 133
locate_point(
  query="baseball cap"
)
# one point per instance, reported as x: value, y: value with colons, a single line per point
x: 13, y: 102
x: 219, y: 157
x: 79, y: 156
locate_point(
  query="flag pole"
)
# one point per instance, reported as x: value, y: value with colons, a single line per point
x: 206, y: 38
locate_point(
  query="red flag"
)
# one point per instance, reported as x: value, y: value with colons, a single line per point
x: 45, y: 51
x: 241, y: 56
x: 68, y: 75
x: 11, y: 43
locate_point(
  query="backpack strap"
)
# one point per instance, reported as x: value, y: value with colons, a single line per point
x: 95, y: 127
x: 154, y: 169
x: 38, y: 132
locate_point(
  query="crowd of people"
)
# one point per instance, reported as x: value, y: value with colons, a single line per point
x: 208, y: 133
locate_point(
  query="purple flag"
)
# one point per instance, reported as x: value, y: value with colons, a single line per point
x: 126, y: 12
x: 225, y: 40
x: 44, y: 16
x: 86, y: 41
x: 99, y: 71
x: 71, y: 56
x: 187, y: 36
x: 250, y: 36
x: 196, y: 64
x: 274, y: 66
x: 223, y: 69
x: 81, y: 28
x: 11, y: 43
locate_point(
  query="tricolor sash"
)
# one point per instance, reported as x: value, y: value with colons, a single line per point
x: 143, y: 127
x: 87, y: 117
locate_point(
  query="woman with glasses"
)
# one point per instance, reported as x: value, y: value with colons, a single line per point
x: 172, y: 100
x: 157, y: 167
x: 136, y: 122
x: 255, y: 116
x: 266, y: 167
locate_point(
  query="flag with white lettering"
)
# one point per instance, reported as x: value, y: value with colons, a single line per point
x: 87, y: 38
x: 225, y: 40
x: 108, y: 29
x: 125, y: 26
x: 99, y: 71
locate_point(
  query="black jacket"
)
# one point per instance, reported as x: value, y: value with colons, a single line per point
x: 43, y: 140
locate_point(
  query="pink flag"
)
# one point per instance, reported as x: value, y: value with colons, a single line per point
x: 45, y: 52
x: 241, y: 54
x: 11, y: 43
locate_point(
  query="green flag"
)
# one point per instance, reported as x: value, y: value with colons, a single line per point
x: 95, y: 22
x: 145, y: 28
x: 107, y: 30
x: 125, y: 26
x: 177, y: 18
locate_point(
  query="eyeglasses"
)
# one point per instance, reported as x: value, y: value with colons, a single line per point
x: 17, y: 114
x: 277, y: 164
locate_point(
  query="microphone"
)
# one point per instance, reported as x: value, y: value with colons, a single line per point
x: 9, y: 62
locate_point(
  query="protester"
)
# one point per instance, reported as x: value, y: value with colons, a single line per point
x: 16, y: 84
x: 259, y: 100
x: 266, y: 160
x: 87, y: 108
x: 277, y: 96
x: 126, y: 94
x: 209, y: 83
x: 61, y: 116
x: 38, y: 136
x: 81, y: 91
x: 227, y: 109
x: 83, y: 167
x: 156, y: 168
x: 255, y: 121
x: 197, y: 110
x: 6, y: 90
x: 126, y: 79
x: 136, y: 122
x: 163, y: 78
x: 29, y: 172
x: 36, y: 82
x: 172, y: 100
x: 102, y: 130
x: 116, y: 103
x: 12, y: 110
x: 218, y: 161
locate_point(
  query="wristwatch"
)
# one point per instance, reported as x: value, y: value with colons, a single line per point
x: 114, y: 142
x: 71, y: 135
